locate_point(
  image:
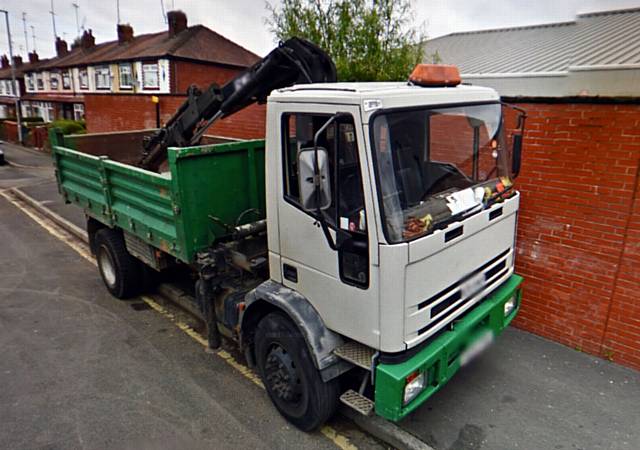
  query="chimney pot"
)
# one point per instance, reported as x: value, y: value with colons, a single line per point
x: 87, y: 40
x: 17, y: 60
x: 33, y: 57
x: 4, y: 62
x: 177, y: 22
x: 125, y: 33
x: 61, y: 47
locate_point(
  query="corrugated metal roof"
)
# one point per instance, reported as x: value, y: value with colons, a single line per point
x: 607, y: 38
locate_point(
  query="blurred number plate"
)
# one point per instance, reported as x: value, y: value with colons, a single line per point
x: 476, y: 347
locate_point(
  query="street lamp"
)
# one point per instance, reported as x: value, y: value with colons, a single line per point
x: 15, y: 87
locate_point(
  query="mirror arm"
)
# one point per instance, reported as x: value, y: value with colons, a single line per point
x: 520, y: 126
x: 316, y: 181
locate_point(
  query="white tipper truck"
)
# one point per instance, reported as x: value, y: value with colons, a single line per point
x: 385, y: 258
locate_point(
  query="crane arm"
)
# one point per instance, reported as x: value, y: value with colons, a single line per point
x: 295, y: 61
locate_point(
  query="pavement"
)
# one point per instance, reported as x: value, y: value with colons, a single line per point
x: 87, y: 383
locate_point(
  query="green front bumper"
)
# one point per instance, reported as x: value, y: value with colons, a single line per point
x: 440, y: 360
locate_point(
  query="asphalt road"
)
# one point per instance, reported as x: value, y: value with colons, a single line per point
x: 81, y: 369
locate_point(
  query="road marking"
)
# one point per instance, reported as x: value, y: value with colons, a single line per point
x: 340, y: 440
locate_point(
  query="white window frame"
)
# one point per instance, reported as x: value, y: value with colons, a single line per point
x: 78, y: 111
x: 128, y: 66
x: 150, y: 68
x: 40, y: 82
x: 30, y: 84
x: 83, y: 74
x: 66, y: 76
x: 103, y: 77
x: 54, y: 78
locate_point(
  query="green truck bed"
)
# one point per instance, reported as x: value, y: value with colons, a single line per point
x: 205, y: 190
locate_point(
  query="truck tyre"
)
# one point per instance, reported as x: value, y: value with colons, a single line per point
x: 120, y: 271
x: 289, y: 375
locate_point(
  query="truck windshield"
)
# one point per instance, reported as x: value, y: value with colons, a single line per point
x: 435, y: 166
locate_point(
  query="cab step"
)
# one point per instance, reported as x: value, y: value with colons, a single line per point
x: 357, y: 402
x: 356, y: 353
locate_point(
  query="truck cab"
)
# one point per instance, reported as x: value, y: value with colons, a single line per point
x: 391, y: 211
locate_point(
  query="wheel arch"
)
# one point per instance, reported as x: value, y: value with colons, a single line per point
x: 271, y: 296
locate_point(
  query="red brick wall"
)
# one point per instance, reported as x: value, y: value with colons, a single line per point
x: 104, y: 113
x: 579, y: 230
x: 184, y: 74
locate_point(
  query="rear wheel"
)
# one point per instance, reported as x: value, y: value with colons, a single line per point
x: 120, y: 271
x: 289, y: 375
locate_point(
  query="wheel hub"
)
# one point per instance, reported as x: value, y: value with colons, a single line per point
x: 106, y: 265
x: 282, y: 376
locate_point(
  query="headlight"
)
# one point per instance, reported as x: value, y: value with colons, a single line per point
x: 510, y: 305
x: 415, y: 385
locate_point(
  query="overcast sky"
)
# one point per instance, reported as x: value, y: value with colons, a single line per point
x: 243, y: 20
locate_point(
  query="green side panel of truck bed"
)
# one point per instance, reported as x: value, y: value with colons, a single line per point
x: 206, y: 190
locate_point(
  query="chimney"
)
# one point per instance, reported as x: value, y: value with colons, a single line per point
x: 125, y: 33
x: 17, y: 61
x: 177, y: 22
x: 87, y: 40
x: 33, y: 57
x: 4, y: 62
x: 61, y: 47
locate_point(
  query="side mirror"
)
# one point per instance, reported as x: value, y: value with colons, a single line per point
x: 314, y: 179
x: 516, y: 158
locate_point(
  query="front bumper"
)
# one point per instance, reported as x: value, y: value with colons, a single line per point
x: 440, y: 360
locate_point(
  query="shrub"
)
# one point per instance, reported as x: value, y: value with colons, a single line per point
x: 70, y: 126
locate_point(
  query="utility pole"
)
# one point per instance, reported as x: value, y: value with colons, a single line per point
x: 53, y: 20
x: 24, y: 25
x: 76, y: 6
x: 118, y: 10
x: 33, y: 36
x: 13, y: 76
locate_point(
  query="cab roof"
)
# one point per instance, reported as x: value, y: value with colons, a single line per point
x: 391, y: 94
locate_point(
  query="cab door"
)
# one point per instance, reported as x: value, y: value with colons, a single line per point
x: 340, y: 282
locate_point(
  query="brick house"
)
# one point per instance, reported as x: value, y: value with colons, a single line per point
x: 579, y: 225
x: 9, y: 92
x: 111, y: 84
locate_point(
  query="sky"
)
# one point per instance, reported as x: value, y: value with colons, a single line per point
x: 243, y: 21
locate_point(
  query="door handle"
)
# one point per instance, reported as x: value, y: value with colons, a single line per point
x: 290, y: 273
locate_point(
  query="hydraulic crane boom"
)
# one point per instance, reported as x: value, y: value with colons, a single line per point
x: 293, y: 61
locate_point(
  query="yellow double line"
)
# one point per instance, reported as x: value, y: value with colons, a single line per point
x: 338, y: 439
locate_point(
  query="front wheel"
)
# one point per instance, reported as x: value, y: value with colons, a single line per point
x: 289, y: 375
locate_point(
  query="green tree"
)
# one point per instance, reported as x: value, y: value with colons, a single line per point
x: 369, y: 40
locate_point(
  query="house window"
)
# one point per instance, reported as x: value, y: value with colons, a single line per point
x: 78, y: 111
x: 30, y: 85
x: 150, y: 78
x: 3, y: 89
x: 66, y: 80
x: 84, y: 79
x: 103, y: 77
x: 54, y: 82
x: 40, y: 82
x: 126, y: 76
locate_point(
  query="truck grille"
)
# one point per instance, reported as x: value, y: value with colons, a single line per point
x: 453, y: 300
